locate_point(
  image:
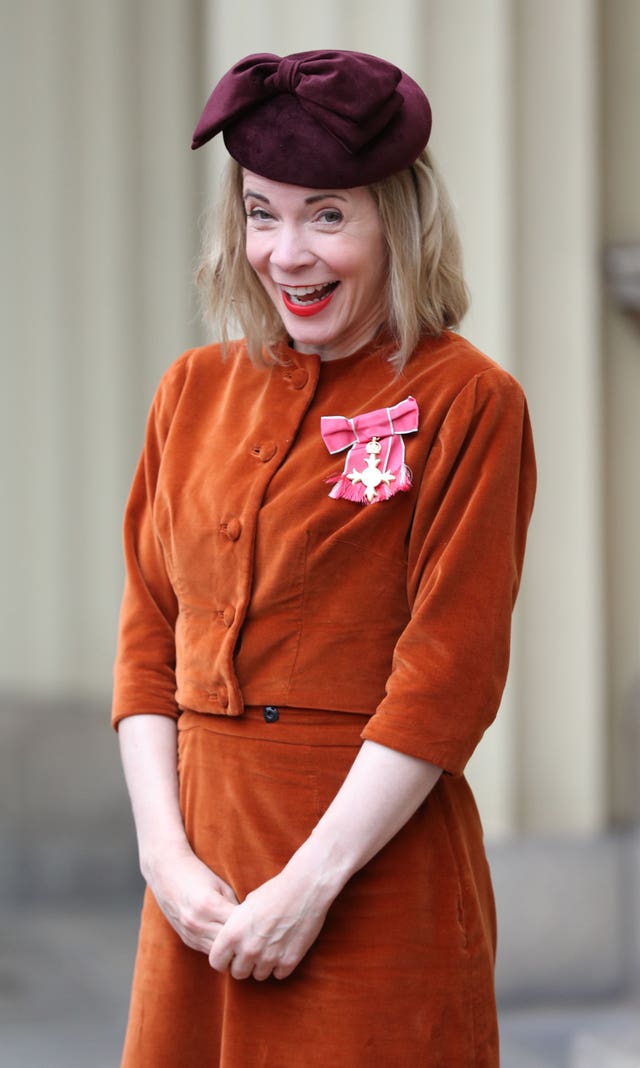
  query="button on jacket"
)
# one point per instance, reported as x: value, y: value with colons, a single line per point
x: 246, y: 583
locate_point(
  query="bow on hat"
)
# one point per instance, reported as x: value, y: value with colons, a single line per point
x: 351, y: 95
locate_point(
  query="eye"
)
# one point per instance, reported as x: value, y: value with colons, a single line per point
x: 331, y: 216
x: 258, y: 214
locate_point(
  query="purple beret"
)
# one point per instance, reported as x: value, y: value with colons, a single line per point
x: 317, y: 119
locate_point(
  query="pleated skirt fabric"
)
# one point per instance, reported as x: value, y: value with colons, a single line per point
x: 401, y: 975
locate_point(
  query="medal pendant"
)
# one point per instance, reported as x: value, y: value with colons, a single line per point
x: 371, y: 476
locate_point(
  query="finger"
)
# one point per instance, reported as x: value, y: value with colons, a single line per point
x: 240, y: 968
x: 202, y: 940
x: 219, y: 909
x: 262, y: 972
x: 224, y: 889
x: 213, y: 932
x: 220, y: 957
x: 227, y: 892
x: 198, y: 942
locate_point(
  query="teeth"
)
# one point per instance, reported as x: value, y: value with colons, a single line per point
x: 297, y: 294
x: 302, y: 291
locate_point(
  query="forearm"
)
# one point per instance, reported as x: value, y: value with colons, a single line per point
x: 381, y: 792
x: 148, y: 748
x: 194, y: 899
x: 274, y: 927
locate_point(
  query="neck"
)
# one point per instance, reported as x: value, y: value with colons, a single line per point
x: 331, y: 353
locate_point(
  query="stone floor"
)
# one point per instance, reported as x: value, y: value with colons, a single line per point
x: 63, y: 986
x: 64, y: 977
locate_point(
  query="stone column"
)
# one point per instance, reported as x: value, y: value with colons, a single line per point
x: 101, y: 203
x: 562, y: 753
x: 620, y: 24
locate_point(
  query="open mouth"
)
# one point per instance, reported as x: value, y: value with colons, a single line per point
x: 308, y: 300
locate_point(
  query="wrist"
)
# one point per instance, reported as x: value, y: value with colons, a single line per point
x: 155, y: 856
x: 322, y: 867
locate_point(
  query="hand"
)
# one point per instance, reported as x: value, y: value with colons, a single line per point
x: 270, y: 932
x: 194, y: 899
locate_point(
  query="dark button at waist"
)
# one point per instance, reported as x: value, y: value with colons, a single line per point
x: 271, y: 714
x: 231, y: 529
x: 265, y: 451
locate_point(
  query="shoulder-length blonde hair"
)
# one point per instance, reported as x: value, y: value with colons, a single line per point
x: 426, y: 291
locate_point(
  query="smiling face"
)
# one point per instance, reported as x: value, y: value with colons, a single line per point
x: 321, y: 257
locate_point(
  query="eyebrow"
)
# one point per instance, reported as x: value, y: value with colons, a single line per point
x: 308, y: 200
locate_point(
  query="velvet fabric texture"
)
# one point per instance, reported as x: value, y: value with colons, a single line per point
x: 248, y: 585
x: 401, y: 973
x: 246, y: 582
x: 318, y: 119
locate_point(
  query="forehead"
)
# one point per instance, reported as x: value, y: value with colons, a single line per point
x: 297, y: 194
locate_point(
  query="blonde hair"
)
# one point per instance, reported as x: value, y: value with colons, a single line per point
x: 426, y: 291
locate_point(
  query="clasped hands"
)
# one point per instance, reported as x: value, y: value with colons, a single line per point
x: 265, y: 935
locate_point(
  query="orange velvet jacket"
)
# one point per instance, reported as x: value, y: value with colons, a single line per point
x: 247, y: 583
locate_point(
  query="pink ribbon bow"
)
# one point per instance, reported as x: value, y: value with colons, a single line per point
x: 374, y: 468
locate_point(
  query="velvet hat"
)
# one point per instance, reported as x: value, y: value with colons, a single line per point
x: 315, y: 119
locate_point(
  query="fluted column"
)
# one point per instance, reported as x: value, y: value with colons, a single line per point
x: 562, y: 751
x: 620, y: 26
x: 100, y: 204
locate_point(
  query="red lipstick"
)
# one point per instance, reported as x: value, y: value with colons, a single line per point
x: 305, y: 310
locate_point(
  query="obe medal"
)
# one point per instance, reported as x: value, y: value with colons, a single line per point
x: 371, y: 476
x: 374, y: 468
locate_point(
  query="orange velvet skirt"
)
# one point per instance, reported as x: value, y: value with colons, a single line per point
x: 401, y: 974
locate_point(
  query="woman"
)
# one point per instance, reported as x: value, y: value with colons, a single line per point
x: 323, y: 542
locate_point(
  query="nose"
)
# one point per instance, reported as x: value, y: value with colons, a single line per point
x: 290, y: 249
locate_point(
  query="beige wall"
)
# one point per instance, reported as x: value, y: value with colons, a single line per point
x: 100, y: 223
x: 620, y: 53
x: 103, y: 198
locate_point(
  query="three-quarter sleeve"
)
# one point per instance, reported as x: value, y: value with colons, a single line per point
x: 144, y: 671
x: 465, y: 560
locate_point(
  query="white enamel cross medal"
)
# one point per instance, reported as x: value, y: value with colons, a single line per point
x: 374, y: 468
x: 371, y: 476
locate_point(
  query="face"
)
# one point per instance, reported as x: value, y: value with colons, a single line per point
x: 321, y: 257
